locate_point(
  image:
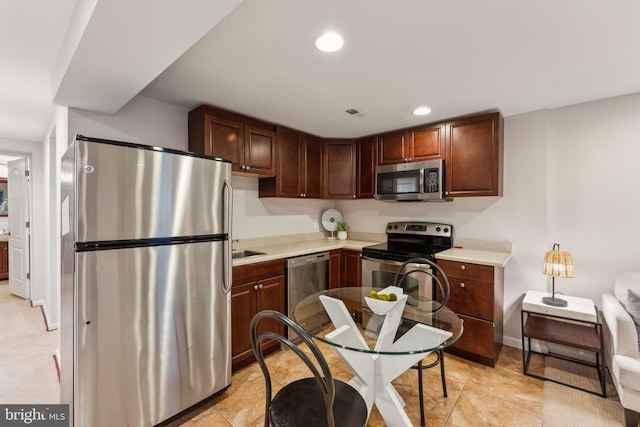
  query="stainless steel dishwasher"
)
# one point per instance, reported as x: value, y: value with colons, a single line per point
x: 306, y: 275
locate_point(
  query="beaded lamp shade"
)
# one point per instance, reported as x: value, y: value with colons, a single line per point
x: 557, y: 263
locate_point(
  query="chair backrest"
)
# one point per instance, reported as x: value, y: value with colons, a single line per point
x: 430, y: 268
x: 323, y: 376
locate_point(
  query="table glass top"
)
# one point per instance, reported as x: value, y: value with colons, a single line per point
x: 342, y: 317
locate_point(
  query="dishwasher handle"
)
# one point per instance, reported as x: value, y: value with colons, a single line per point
x: 307, y: 259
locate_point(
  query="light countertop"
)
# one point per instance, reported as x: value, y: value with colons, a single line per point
x: 291, y: 249
x: 475, y: 256
x: 476, y: 252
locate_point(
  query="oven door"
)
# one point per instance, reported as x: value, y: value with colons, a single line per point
x: 380, y: 273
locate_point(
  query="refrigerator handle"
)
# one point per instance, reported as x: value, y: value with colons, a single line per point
x: 228, y: 264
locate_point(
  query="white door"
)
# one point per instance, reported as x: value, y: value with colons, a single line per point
x: 18, y: 195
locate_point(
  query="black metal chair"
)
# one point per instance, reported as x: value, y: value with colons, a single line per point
x: 427, y: 267
x: 309, y: 402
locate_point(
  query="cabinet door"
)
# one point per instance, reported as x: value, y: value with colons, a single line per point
x: 259, y: 151
x: 367, y: 162
x: 335, y: 269
x: 270, y: 296
x: 393, y: 148
x: 477, y: 341
x: 313, y: 174
x: 473, y: 160
x: 427, y: 143
x: 4, y: 260
x: 340, y: 169
x: 243, y: 308
x: 352, y: 271
x: 471, y: 298
x: 225, y: 140
x: 290, y: 167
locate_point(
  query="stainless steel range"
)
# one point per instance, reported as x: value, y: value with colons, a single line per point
x: 405, y: 241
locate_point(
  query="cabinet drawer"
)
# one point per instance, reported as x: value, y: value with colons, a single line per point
x: 467, y: 271
x: 257, y: 271
x: 471, y: 298
x: 477, y: 337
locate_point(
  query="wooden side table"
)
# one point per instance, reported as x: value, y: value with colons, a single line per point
x: 578, y: 326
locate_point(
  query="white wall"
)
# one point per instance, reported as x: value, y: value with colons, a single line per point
x: 254, y: 217
x: 143, y: 120
x: 594, y: 191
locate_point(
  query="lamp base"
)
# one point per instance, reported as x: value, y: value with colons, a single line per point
x: 556, y: 302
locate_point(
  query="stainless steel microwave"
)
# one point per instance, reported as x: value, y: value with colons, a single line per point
x: 411, y: 182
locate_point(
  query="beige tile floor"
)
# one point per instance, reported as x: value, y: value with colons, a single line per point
x: 477, y: 395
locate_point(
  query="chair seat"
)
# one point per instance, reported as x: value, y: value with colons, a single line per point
x: 301, y: 403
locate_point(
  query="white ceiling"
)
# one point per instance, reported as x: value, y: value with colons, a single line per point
x: 457, y: 57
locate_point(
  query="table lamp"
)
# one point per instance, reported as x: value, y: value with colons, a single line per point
x: 557, y: 263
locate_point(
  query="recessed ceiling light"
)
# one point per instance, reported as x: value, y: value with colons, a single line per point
x: 329, y: 42
x: 421, y: 111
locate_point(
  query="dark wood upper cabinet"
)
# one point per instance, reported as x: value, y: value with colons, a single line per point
x: 412, y: 145
x: 298, y: 166
x: 427, y: 143
x: 340, y: 169
x: 393, y: 147
x: 247, y: 142
x: 367, y: 160
x: 289, y: 168
x: 474, y: 156
x: 293, y: 164
x: 314, y: 174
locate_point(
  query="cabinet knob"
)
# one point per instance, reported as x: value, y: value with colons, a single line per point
x: 301, y: 195
x: 409, y: 158
x: 354, y: 196
x: 243, y: 167
x: 261, y: 286
x: 462, y: 267
x: 462, y: 285
x: 255, y: 287
x: 247, y: 167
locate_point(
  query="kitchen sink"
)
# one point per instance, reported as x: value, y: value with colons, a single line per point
x: 245, y: 253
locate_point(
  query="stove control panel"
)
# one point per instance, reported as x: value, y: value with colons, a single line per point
x: 420, y: 228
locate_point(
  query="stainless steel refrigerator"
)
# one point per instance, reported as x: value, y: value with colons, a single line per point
x: 146, y: 273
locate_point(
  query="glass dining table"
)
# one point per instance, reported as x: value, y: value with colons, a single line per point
x: 378, y: 340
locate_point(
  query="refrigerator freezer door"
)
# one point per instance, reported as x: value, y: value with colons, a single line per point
x: 128, y: 193
x: 153, y: 333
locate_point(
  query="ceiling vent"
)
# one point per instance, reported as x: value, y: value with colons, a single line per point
x: 354, y: 112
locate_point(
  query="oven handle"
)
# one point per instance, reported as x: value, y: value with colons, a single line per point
x: 398, y: 263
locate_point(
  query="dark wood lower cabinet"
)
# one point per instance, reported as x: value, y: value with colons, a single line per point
x: 345, y: 268
x: 352, y: 268
x: 477, y: 298
x: 335, y: 268
x: 256, y: 287
x: 4, y: 260
x: 477, y: 341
